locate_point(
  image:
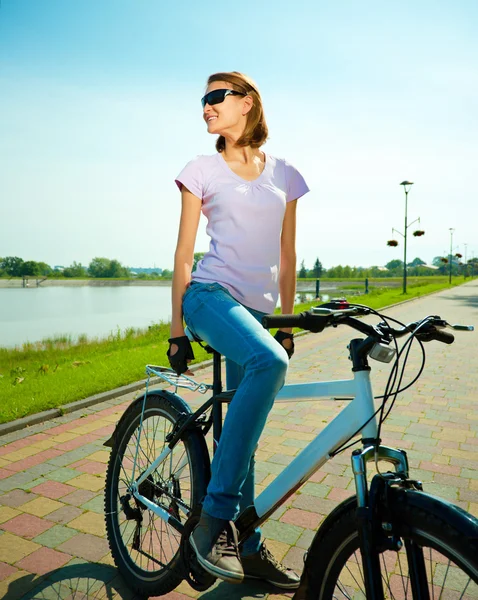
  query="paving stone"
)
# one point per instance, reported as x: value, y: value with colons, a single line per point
x: 339, y: 495
x: 90, y: 522
x: 96, y: 504
x: 102, y: 456
x: 26, y: 526
x: 40, y: 506
x: 7, y: 513
x: 64, y: 515
x: 13, y: 548
x: 316, y: 489
x: 93, y: 468
x: 314, y: 504
x: 85, y: 546
x: 301, y: 518
x: 88, y: 482
x: 18, y: 584
x: 53, y: 490
x: 55, y: 536
x: 15, y: 481
x: 281, y: 459
x: 79, y: 497
x: 43, y: 560
x: 306, y: 538
x: 294, y: 559
x: 6, y: 570
x: 62, y: 474
x: 282, y: 532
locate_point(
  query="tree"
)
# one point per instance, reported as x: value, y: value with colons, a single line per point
x: 101, y: 267
x: 30, y: 267
x: 394, y: 264
x: 416, y: 262
x: 317, y: 270
x: 303, y: 270
x: 44, y: 268
x: 116, y: 269
x: 75, y: 270
x: 197, y: 257
x: 12, y: 265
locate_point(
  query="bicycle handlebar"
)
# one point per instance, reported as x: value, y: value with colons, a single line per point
x: 340, y: 313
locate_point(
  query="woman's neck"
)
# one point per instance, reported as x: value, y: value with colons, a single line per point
x: 244, y: 154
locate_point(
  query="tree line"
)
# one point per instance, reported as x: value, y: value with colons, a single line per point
x: 99, y: 267
x: 104, y: 268
x: 393, y: 268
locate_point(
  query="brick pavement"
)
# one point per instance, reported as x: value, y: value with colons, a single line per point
x: 52, y: 542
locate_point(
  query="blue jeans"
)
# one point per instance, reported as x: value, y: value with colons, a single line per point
x: 256, y: 365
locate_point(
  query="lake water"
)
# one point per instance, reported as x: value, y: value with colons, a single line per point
x: 32, y: 314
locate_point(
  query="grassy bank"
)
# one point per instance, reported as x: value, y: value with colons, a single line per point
x: 56, y: 371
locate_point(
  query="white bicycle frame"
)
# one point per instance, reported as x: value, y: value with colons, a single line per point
x: 348, y: 422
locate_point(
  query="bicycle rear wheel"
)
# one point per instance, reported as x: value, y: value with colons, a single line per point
x: 144, y: 547
x: 333, y: 569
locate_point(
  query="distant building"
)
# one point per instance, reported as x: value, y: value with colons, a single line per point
x: 147, y: 270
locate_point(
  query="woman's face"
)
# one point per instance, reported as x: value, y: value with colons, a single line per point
x: 227, y: 116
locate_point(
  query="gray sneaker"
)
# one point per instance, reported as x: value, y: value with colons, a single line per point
x: 215, y: 543
x: 262, y: 565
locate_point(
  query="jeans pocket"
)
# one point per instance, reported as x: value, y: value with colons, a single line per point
x: 191, y: 301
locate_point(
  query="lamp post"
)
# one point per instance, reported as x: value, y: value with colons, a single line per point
x: 465, y: 270
x: 406, y: 187
x: 451, y: 251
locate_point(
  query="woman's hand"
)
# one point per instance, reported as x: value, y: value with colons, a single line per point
x: 180, y: 354
x: 286, y: 340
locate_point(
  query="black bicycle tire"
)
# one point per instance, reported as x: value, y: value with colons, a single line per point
x: 423, y: 523
x: 161, y: 402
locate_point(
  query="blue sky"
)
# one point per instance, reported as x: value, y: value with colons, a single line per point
x: 99, y: 110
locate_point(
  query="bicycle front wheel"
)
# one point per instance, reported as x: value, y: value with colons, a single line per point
x: 334, y: 570
x: 144, y: 547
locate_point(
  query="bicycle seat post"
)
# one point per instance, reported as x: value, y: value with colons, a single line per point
x: 217, y: 404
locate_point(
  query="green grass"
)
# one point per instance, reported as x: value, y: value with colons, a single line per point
x: 57, y: 371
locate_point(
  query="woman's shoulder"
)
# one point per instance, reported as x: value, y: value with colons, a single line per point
x: 281, y: 163
x: 203, y: 159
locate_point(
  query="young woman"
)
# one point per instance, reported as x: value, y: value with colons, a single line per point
x: 249, y: 199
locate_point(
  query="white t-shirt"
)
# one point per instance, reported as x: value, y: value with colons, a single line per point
x: 244, y: 224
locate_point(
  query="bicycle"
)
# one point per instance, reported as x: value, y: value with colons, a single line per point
x: 153, y: 494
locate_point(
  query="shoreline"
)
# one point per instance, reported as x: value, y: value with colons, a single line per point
x: 18, y: 283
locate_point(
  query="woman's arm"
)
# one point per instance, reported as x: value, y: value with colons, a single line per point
x: 184, y: 258
x: 288, y: 261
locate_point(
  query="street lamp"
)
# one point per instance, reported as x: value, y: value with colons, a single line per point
x: 406, y: 187
x: 451, y: 251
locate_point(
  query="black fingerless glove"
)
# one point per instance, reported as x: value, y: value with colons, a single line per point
x: 179, y: 360
x: 280, y: 336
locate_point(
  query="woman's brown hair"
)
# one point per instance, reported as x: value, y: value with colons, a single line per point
x: 256, y: 131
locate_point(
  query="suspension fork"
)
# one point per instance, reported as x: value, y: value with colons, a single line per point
x: 369, y: 508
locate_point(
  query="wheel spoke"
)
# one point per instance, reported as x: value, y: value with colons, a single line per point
x: 158, y: 541
x: 445, y: 577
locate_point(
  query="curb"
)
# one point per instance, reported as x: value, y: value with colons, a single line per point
x: 132, y: 387
x: 53, y: 413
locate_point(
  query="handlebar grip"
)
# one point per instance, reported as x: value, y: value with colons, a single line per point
x: 443, y: 336
x: 270, y: 321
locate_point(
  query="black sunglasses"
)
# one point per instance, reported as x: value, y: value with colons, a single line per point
x: 218, y: 96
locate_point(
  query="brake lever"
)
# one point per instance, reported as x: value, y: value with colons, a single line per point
x: 457, y: 327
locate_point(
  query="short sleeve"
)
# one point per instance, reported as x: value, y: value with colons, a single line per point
x: 192, y: 177
x: 296, y: 186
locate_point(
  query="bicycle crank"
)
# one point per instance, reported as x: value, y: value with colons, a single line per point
x: 194, y: 574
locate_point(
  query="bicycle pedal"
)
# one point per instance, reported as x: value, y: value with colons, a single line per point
x: 199, y: 579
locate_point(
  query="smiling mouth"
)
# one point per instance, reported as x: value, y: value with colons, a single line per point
x: 211, y: 119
